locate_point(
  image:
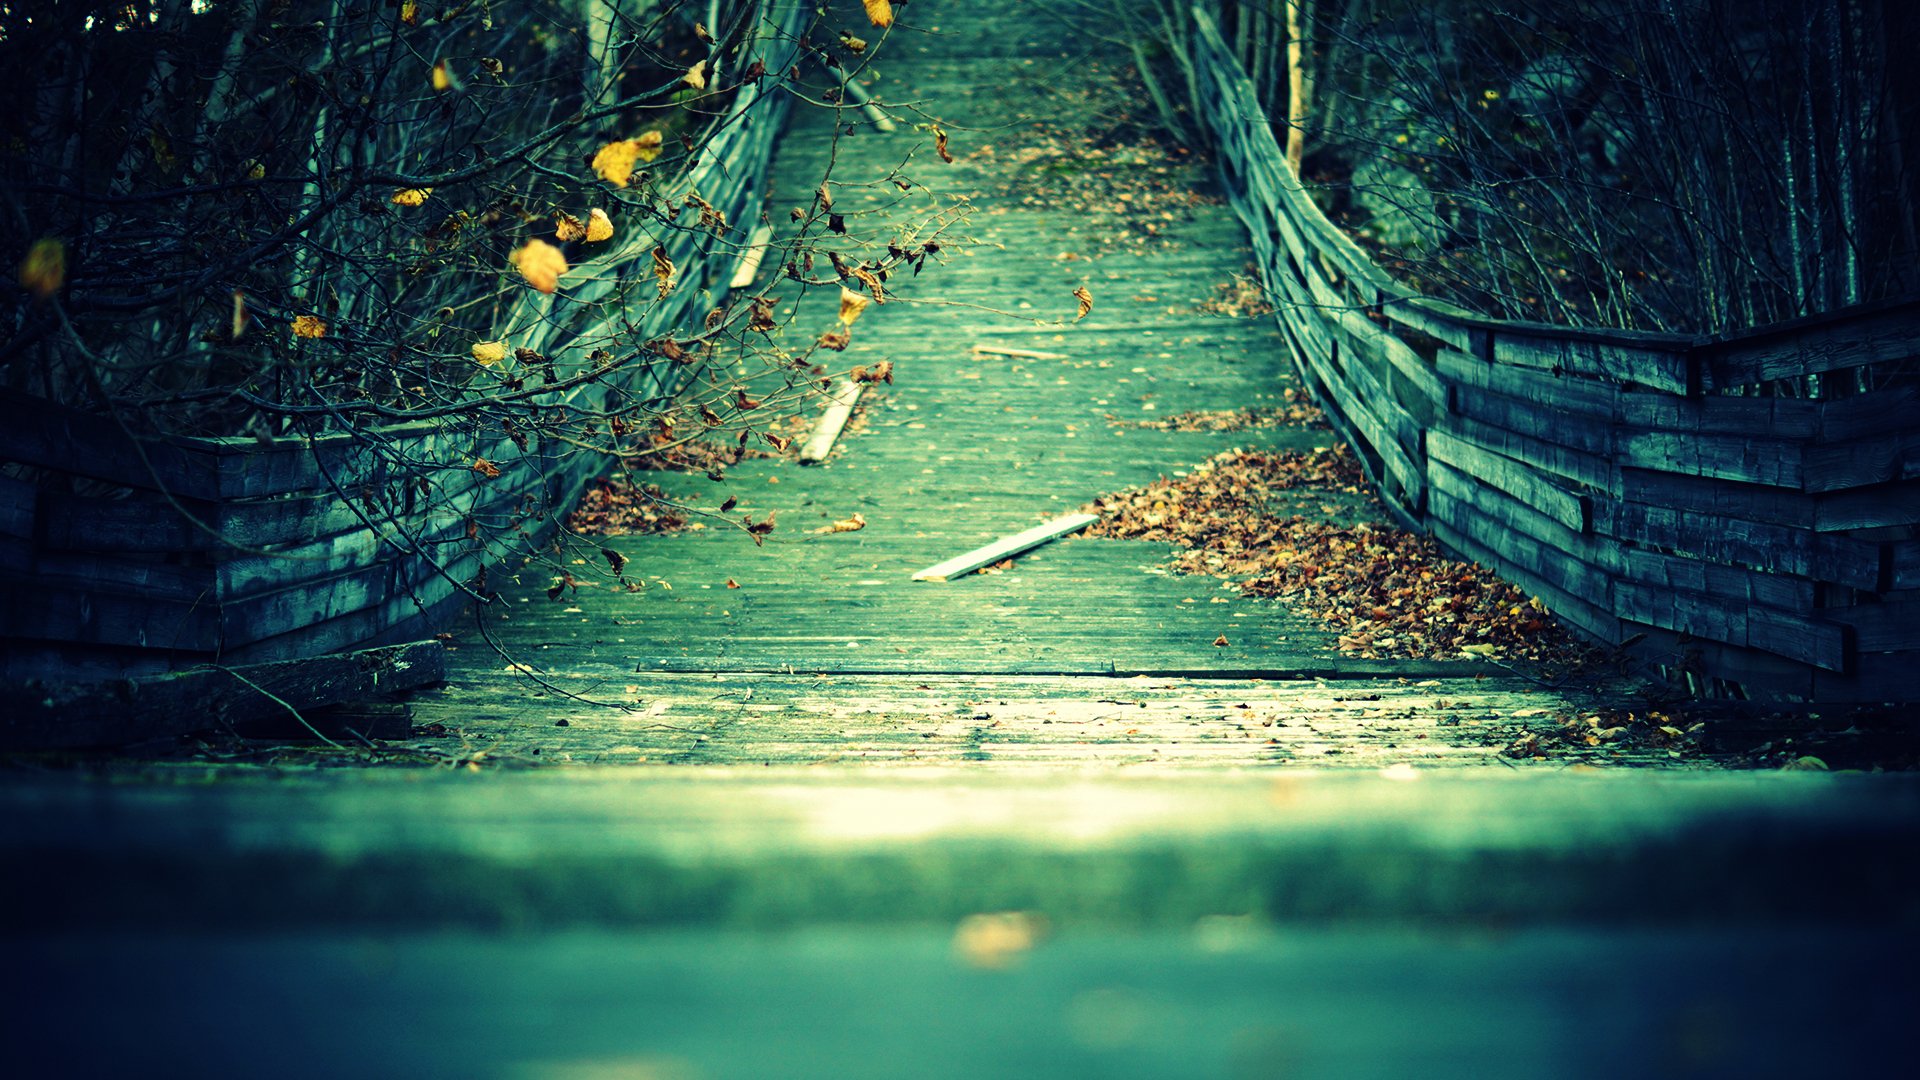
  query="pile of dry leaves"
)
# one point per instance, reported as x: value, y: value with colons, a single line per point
x: 1386, y: 592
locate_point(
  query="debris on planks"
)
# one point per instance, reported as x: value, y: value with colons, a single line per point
x: 846, y: 393
x: 1020, y: 354
x: 750, y: 259
x: 882, y: 123
x: 38, y: 714
x: 1006, y: 548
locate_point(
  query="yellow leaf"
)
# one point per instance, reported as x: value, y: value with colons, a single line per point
x: 486, y: 468
x: 442, y: 77
x: 614, y: 161
x: 253, y: 169
x: 309, y: 326
x: 696, y: 76
x: 880, y: 13
x: 489, y: 353
x: 940, y: 144
x: 853, y: 44
x: 567, y: 227
x: 648, y: 145
x: 410, y: 12
x: 852, y: 524
x: 599, y: 225
x: 700, y: 31
x: 663, y: 270
x: 44, y: 270
x: 411, y: 196
x: 851, y: 305
x: 1086, y: 302
x: 541, y: 264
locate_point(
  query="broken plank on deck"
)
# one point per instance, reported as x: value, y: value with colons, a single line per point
x: 1006, y: 547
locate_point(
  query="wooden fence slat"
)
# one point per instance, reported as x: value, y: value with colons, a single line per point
x: 1556, y: 502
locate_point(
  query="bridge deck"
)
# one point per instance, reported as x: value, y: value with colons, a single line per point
x: 965, y: 447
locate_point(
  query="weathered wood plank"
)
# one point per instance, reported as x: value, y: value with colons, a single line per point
x: 1561, y: 392
x: 1773, y: 462
x: 40, y: 715
x: 1835, y: 341
x: 1671, y: 369
x: 1572, y: 510
x: 750, y: 259
x: 845, y: 395
x: 1006, y: 547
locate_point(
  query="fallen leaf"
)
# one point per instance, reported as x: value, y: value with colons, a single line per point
x: 879, y: 12
x: 566, y: 227
x: 486, y: 468
x: 997, y: 940
x: 1086, y: 302
x: 1220, y: 642
x: 852, y: 524
x: 541, y: 264
x: 1484, y: 650
x: 732, y: 584
x: 489, y: 353
x: 599, y: 225
x: 309, y: 326
x: 940, y: 144
x: 411, y: 196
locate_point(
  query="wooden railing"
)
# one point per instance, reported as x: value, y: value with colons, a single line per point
x: 1650, y: 488
x: 246, y: 550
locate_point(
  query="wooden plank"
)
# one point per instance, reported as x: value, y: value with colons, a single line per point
x: 1763, y: 417
x: 845, y: 395
x: 1878, y: 507
x: 1585, y: 433
x: 1877, y: 412
x: 1859, y: 463
x: 1425, y: 385
x: 1834, y: 341
x: 1882, y: 627
x: 1438, y: 319
x: 1773, y: 462
x: 1006, y: 547
x: 41, y: 433
x: 1571, y: 510
x: 38, y: 715
x: 1749, y: 502
x: 1564, y: 392
x: 1718, y: 538
x: 1518, y: 535
x: 1785, y: 592
x: 1662, y: 368
x: 750, y: 259
x: 1582, y: 468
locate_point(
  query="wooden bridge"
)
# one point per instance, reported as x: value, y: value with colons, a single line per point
x: 1033, y: 821
x: 1004, y: 411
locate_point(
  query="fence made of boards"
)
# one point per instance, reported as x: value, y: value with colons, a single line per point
x: 252, y: 549
x: 1651, y: 489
